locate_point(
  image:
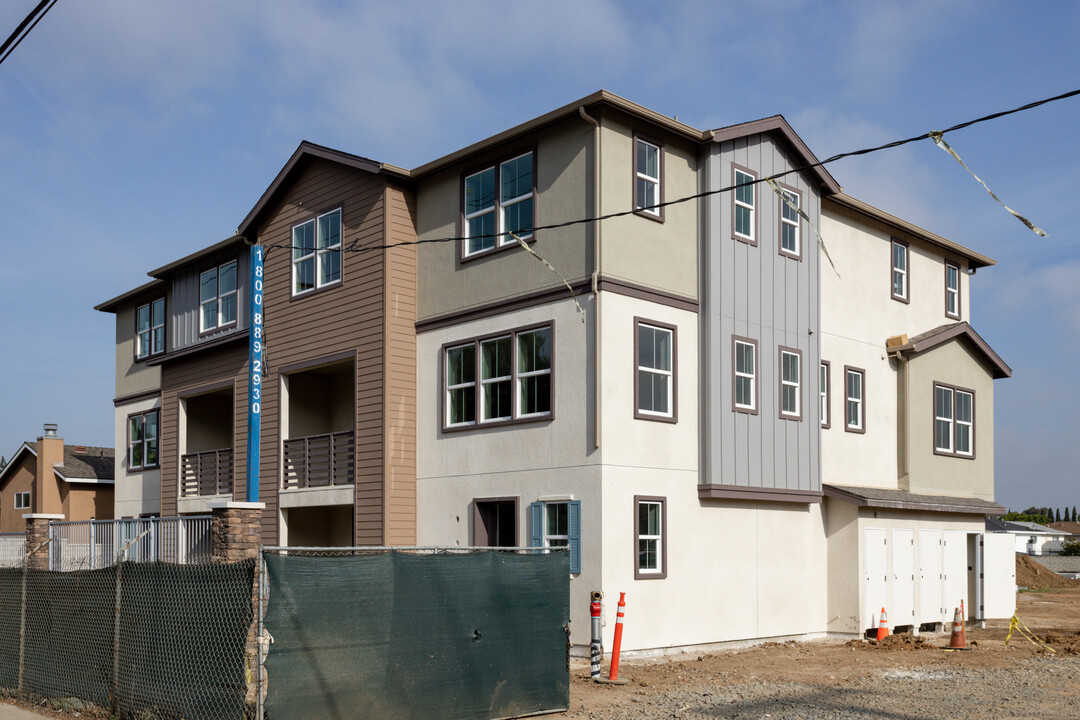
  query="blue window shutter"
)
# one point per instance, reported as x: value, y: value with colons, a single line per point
x: 536, y: 531
x: 573, y: 513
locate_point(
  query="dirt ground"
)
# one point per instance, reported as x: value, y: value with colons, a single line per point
x: 897, y: 679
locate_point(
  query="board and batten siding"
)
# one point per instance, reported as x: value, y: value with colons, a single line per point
x: 184, y: 306
x: 754, y: 291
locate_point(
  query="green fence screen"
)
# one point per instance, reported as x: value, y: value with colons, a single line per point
x: 400, y: 635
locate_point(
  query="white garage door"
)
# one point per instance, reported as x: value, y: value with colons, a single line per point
x: 902, y: 611
x: 874, y: 585
x: 930, y: 580
x: 955, y: 569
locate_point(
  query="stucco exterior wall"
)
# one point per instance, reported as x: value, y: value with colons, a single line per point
x: 953, y: 364
x: 19, y: 479
x: 135, y: 492
x: 133, y: 377
x: 87, y: 502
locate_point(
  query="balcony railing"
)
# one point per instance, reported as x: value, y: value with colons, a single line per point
x: 206, y: 473
x: 320, y: 460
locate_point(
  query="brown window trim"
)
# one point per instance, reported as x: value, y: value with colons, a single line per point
x: 638, y: 573
x: 828, y: 395
x: 513, y: 420
x: 955, y: 266
x: 293, y: 296
x: 464, y: 257
x: 638, y: 414
x: 933, y: 426
x: 473, y: 534
x: 861, y: 430
x: 659, y: 216
x: 906, y: 299
x: 780, y: 379
x: 780, y: 224
x: 135, y: 345
x: 127, y: 446
x: 757, y: 206
x: 757, y: 375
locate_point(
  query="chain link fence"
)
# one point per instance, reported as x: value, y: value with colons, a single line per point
x: 152, y: 641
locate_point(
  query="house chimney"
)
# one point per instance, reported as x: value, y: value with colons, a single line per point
x: 50, y: 453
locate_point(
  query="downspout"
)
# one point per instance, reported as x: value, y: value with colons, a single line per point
x: 596, y: 273
x: 903, y: 468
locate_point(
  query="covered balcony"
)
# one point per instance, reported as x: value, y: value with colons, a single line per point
x: 319, y: 446
x: 206, y: 444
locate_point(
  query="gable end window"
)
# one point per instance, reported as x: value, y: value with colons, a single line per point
x: 650, y: 535
x: 854, y: 400
x: 499, y: 379
x: 217, y: 297
x: 648, y: 178
x: 497, y: 200
x: 954, y: 421
x: 790, y: 235
x: 316, y: 253
x: 743, y: 207
x: 790, y: 383
x: 824, y: 390
x: 900, y: 281
x: 656, y: 371
x: 744, y: 375
x: 952, y: 291
x: 143, y: 441
x: 22, y: 500
x: 150, y: 329
x: 557, y: 524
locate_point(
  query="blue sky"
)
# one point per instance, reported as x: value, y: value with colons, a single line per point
x: 132, y: 133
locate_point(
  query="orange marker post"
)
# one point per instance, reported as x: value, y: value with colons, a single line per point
x: 613, y: 675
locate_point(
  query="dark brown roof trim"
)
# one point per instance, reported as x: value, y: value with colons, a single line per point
x: 303, y: 152
x: 779, y: 126
x: 975, y: 260
x: 135, y: 397
x: 943, y: 334
x: 923, y: 503
x: 742, y: 492
x: 199, y: 347
x: 111, y: 305
x: 164, y: 270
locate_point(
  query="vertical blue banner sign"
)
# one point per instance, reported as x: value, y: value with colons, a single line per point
x: 255, y: 363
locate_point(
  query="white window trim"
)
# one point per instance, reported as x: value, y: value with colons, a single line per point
x: 658, y: 538
x: 319, y: 254
x: 954, y: 423
x: 825, y: 381
x: 752, y: 207
x: 638, y: 205
x: 142, y: 353
x: 797, y: 384
x: 952, y: 293
x: 459, y: 386
x: 219, y: 297
x: 860, y: 401
x: 528, y: 374
x: 548, y: 537
x: 482, y: 404
x: 24, y: 495
x: 669, y: 375
x: 752, y: 375
x: 938, y: 417
x: 905, y: 285
x: 498, y: 207
x: 143, y: 442
x: 796, y: 199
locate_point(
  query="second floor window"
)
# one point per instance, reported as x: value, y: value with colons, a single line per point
x: 899, y: 270
x: 952, y: 291
x: 790, y: 383
x: 143, y: 441
x: 22, y: 500
x: 647, y: 178
x: 655, y: 379
x: 150, y: 329
x: 790, y: 242
x: 217, y: 297
x: 745, y: 399
x: 954, y: 421
x: 499, y: 200
x: 316, y: 248
x: 743, y: 199
x: 823, y: 393
x: 854, y: 420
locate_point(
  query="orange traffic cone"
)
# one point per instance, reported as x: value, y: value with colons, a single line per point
x: 883, y: 626
x: 958, y: 640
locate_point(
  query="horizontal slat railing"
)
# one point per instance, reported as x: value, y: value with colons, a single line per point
x: 319, y: 460
x: 206, y: 473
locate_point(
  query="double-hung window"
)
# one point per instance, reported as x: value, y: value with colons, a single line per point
x: 952, y: 291
x: 499, y: 379
x: 790, y: 239
x: 650, y: 528
x: 150, y: 329
x: 655, y: 388
x: 743, y: 206
x: 557, y: 524
x: 316, y: 252
x: 900, y: 271
x: 648, y: 178
x: 22, y: 500
x: 790, y: 383
x: 497, y: 201
x: 143, y: 440
x: 824, y: 382
x: 744, y: 380
x: 217, y: 297
x: 954, y: 421
x: 854, y: 400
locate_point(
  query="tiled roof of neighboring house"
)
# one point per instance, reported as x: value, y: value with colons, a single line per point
x: 944, y: 333
x: 85, y: 462
x: 1030, y: 527
x: 904, y: 500
x: 1073, y: 528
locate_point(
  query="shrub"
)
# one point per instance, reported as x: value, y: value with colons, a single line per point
x: 1070, y: 547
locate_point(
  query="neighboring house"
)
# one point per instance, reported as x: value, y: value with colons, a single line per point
x: 49, y: 477
x: 661, y: 417
x: 1070, y: 528
x: 1032, y: 538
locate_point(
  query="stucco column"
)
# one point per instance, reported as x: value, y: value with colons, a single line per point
x: 236, y: 530
x: 37, y: 532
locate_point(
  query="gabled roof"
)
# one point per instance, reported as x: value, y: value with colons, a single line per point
x: 779, y: 127
x: 82, y: 463
x: 944, y: 333
x: 904, y: 500
x: 975, y: 260
x: 300, y: 157
x: 14, y: 460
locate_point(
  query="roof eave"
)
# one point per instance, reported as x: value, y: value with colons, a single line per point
x: 14, y: 458
x: 777, y: 124
x: 111, y: 305
x: 961, y: 329
x: 164, y: 270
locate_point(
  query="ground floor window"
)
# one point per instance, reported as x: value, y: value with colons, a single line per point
x: 558, y: 524
x: 22, y: 500
x: 650, y: 528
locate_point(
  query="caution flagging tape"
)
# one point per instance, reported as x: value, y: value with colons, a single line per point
x: 551, y: 267
x: 1018, y: 625
x: 787, y: 201
x: 939, y: 140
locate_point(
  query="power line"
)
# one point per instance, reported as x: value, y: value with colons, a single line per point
x: 24, y: 28
x: 355, y: 246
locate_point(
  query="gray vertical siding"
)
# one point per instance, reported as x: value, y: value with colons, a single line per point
x: 754, y: 291
x: 184, y: 304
